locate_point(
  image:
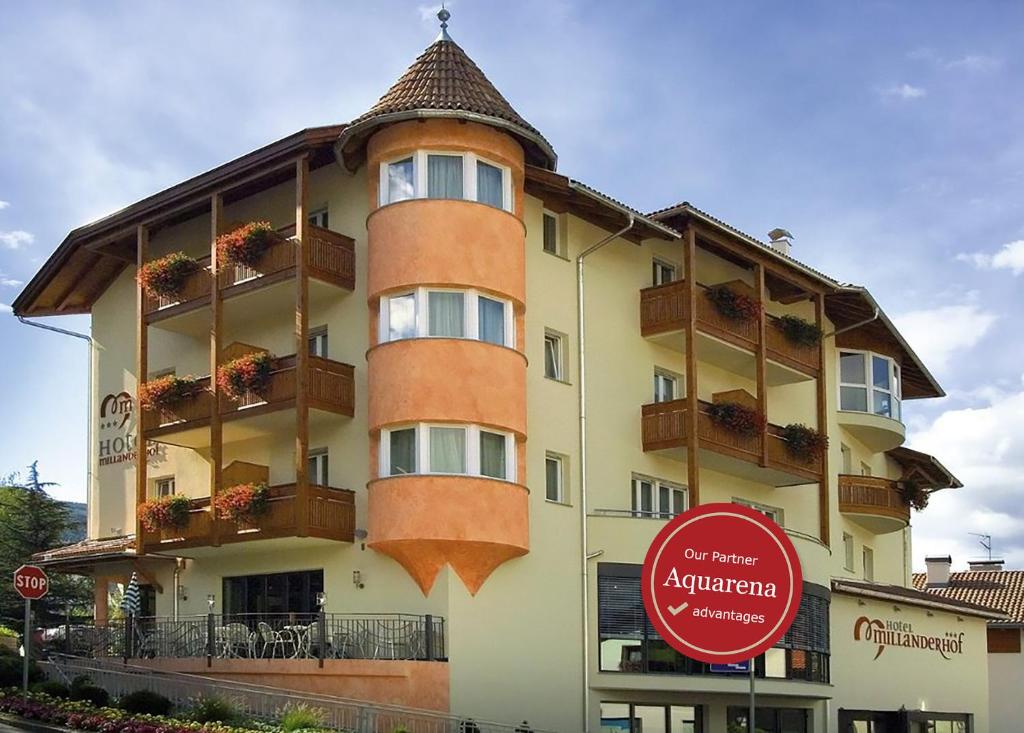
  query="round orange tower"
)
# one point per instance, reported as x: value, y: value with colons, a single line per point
x: 446, y: 157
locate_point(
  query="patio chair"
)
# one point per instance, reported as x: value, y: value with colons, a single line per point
x: 272, y: 640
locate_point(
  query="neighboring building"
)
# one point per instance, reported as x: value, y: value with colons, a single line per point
x: 987, y: 584
x: 420, y: 430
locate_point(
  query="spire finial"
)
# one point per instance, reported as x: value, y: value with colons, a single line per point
x: 443, y: 15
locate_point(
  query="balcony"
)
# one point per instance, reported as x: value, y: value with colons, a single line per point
x: 330, y: 386
x: 722, y: 341
x: 330, y: 513
x: 329, y: 258
x: 878, y: 433
x: 872, y: 502
x: 664, y: 428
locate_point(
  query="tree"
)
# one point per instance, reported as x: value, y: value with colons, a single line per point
x: 32, y: 521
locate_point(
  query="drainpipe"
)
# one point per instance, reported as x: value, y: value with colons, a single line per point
x: 582, y: 365
x: 89, y: 404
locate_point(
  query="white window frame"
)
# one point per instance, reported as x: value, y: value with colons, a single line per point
x: 774, y: 513
x: 319, y: 342
x: 469, y: 177
x: 560, y: 365
x: 657, y: 511
x: 867, y: 561
x: 321, y: 467
x: 658, y: 264
x: 160, y: 483
x: 421, y: 314
x: 558, y: 251
x: 319, y: 218
x: 472, y: 434
x: 895, y: 390
x: 849, y: 551
x: 562, y: 462
x: 663, y: 375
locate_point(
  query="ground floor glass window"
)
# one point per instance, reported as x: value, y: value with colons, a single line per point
x: 617, y: 717
x: 273, y: 594
x: 770, y: 720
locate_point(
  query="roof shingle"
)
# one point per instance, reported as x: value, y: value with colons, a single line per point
x: 1002, y: 590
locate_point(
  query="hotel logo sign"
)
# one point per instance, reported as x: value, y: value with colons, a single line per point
x: 116, y: 437
x: 886, y: 633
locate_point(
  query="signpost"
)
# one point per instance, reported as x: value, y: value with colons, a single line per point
x: 722, y: 584
x: 31, y: 583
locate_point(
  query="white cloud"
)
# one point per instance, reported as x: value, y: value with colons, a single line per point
x: 9, y: 282
x: 904, y: 91
x: 974, y: 62
x: 14, y: 239
x: 937, y: 334
x: 4, y: 205
x: 1009, y: 257
x: 4, y: 308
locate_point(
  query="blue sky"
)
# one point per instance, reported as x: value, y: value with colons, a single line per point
x: 885, y: 135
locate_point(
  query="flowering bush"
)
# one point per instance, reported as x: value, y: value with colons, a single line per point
x: 166, y: 275
x: 242, y: 503
x: 249, y: 373
x: 798, y: 331
x: 734, y: 306
x: 804, y: 443
x: 246, y: 244
x: 165, y: 391
x: 737, y: 418
x: 168, y: 512
x: 913, y: 494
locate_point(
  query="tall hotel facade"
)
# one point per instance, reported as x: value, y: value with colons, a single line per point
x: 489, y: 386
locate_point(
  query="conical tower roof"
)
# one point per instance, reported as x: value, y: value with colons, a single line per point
x: 444, y: 82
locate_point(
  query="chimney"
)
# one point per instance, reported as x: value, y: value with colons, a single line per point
x: 938, y: 570
x: 781, y: 240
x: 985, y: 566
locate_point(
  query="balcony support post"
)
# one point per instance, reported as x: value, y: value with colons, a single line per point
x: 216, y: 330
x: 301, y: 349
x: 824, y: 481
x: 762, y: 383
x: 692, y: 407
x: 141, y: 373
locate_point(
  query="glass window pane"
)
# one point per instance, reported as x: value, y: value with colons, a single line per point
x: 614, y: 717
x: 880, y: 372
x: 851, y: 368
x: 491, y: 320
x: 646, y: 496
x: 492, y: 455
x: 444, y: 176
x: 882, y: 403
x: 678, y: 501
x: 775, y: 663
x: 663, y: 501
x: 400, y: 181
x: 553, y: 479
x: 684, y: 719
x: 552, y: 357
x: 403, y: 452
x: 447, y: 314
x: 550, y: 234
x: 649, y: 718
x: 489, y: 189
x: 447, y: 450
x: 401, y: 317
x: 853, y: 398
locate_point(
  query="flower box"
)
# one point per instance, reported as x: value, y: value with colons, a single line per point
x: 247, y: 244
x: 804, y: 443
x: 165, y: 277
x: 798, y: 331
x: 737, y: 418
x: 249, y: 373
x: 166, y: 392
x: 732, y: 304
x: 169, y: 512
x: 242, y: 503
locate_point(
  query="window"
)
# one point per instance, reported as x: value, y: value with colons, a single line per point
x: 318, y: 342
x: 444, y: 177
x: 438, y: 175
x: 869, y: 383
x: 400, y: 181
x: 447, y: 314
x: 164, y: 487
x: 657, y: 499
x: 466, y: 450
x: 551, y: 233
x: 847, y: 454
x: 279, y: 593
x: 770, y: 720
x: 624, y: 717
x: 774, y: 513
x: 554, y: 478
x: 664, y: 386
x: 848, y: 551
x: 317, y: 467
x: 663, y: 272
x: 554, y: 358
x: 489, y: 187
x: 319, y: 218
x: 868, y: 557
x: 865, y: 469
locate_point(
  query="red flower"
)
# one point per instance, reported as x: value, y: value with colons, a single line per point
x: 170, y: 512
x: 733, y: 305
x: 246, y: 244
x: 242, y: 503
x: 165, y: 391
x: 166, y: 276
x: 249, y: 373
x: 737, y: 418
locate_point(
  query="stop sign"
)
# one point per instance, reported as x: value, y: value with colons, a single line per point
x: 31, y: 582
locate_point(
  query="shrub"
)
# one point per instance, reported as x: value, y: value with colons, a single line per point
x: 80, y: 681
x: 213, y: 709
x: 913, y: 494
x: 146, y: 702
x: 734, y: 306
x: 246, y: 244
x: 798, y: 331
x: 9, y: 632
x: 804, y: 443
x: 168, y: 512
x: 10, y: 671
x: 737, y: 418
x: 242, y: 503
x: 166, y: 391
x: 166, y: 275
x: 249, y: 373
x: 301, y: 717
x: 51, y: 688
x: 93, y: 694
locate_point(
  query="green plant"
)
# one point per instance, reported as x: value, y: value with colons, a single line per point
x: 9, y: 632
x: 10, y: 671
x: 213, y: 709
x: 249, y: 373
x: 146, y: 702
x: 79, y: 682
x: 166, y: 391
x: 804, y: 443
x: 167, y: 512
x: 798, y: 331
x: 737, y: 418
x: 242, y: 503
x: 301, y: 717
x: 734, y: 306
x: 913, y: 494
x: 166, y: 275
x: 246, y: 244
x: 51, y: 688
x: 93, y: 694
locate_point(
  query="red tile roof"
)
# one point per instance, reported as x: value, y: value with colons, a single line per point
x: 1002, y: 590
x: 910, y: 596
x: 91, y: 549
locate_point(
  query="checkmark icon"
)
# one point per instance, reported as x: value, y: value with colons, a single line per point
x: 676, y: 610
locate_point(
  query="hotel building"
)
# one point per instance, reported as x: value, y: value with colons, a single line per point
x: 489, y: 386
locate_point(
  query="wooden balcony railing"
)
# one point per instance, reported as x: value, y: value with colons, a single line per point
x: 330, y: 513
x: 664, y: 425
x: 871, y: 495
x: 192, y: 411
x: 663, y: 309
x: 194, y: 292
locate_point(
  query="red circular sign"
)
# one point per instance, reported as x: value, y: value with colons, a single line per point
x: 31, y: 582
x: 722, y: 583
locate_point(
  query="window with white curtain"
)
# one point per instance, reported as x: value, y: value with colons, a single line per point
x: 656, y: 498
x: 437, y: 313
x: 447, y: 449
x: 666, y: 386
x: 869, y: 382
x: 444, y: 175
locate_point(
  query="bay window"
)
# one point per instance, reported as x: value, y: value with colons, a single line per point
x: 869, y: 382
x: 462, y: 450
x: 437, y: 313
x: 444, y: 175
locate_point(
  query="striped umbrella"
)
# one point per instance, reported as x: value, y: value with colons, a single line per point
x: 131, y: 604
